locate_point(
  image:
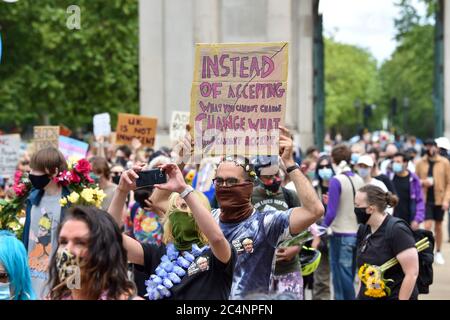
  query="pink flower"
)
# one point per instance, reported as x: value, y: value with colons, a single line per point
x: 83, y: 166
x: 17, y: 176
x: 88, y: 178
x: 74, y: 177
x: 20, y: 189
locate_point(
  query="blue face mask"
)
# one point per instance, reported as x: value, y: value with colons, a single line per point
x: 326, y: 173
x: 364, y: 172
x: 397, y: 167
x: 5, y: 293
x: 355, y: 158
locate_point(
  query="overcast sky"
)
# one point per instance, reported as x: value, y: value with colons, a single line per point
x: 366, y: 23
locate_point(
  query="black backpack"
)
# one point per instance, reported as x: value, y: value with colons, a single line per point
x: 426, y: 257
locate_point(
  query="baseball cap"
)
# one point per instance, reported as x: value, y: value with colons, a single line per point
x: 443, y: 143
x: 366, y: 160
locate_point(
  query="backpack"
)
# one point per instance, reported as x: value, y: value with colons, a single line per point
x: 426, y: 257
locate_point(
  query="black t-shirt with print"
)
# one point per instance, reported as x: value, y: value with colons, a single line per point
x: 403, y: 209
x: 377, y: 251
x: 212, y: 284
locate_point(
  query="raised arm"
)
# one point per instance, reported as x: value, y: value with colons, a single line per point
x: 135, y: 253
x: 204, y: 219
x: 301, y: 217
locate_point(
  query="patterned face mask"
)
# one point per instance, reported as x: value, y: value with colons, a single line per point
x: 69, y: 268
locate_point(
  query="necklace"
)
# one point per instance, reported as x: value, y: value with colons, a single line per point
x: 171, y: 269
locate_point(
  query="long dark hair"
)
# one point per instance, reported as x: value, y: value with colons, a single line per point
x: 330, y: 161
x: 104, y: 268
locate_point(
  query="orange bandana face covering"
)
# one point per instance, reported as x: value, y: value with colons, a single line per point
x: 234, y: 201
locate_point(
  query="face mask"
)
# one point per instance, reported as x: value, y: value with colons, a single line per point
x: 274, y: 185
x: 184, y: 230
x: 116, y: 179
x: 234, y: 201
x: 311, y: 175
x: 355, y: 158
x: 122, y: 161
x: 364, y: 172
x: 68, y: 266
x: 39, y: 182
x: 95, y: 177
x: 325, y: 174
x: 397, y: 167
x: 361, y: 215
x: 5, y: 292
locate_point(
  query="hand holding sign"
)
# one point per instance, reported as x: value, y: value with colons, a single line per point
x: 286, y: 147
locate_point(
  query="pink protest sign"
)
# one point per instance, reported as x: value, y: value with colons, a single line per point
x: 238, y: 98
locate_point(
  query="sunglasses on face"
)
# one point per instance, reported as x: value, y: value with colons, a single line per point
x: 323, y: 166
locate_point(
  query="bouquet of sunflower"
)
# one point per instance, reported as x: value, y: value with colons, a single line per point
x: 373, y: 276
x: 84, y: 191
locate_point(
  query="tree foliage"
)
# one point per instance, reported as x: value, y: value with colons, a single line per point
x: 351, y: 75
x: 50, y: 74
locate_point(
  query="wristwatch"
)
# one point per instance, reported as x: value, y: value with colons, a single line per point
x: 292, y: 168
x: 186, y: 191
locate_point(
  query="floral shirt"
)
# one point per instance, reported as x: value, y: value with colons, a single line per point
x: 145, y: 227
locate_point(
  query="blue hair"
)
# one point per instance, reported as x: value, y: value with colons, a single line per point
x: 14, y: 258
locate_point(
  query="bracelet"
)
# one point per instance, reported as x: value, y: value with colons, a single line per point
x: 186, y: 191
x: 292, y: 168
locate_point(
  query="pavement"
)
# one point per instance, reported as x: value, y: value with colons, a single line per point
x: 440, y: 289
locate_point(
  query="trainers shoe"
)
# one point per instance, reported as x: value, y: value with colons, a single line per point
x: 438, y: 258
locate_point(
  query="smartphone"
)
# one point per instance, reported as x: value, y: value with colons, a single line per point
x: 150, y: 178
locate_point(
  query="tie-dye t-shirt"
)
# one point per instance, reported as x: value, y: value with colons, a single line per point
x: 145, y: 227
x: 255, y: 240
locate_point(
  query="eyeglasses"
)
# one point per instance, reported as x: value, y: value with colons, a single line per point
x: 324, y: 166
x: 4, y: 277
x: 229, y: 181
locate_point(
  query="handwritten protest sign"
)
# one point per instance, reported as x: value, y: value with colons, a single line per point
x: 178, y: 125
x: 238, y: 98
x: 102, y: 124
x: 130, y: 126
x: 9, y: 154
x: 72, y: 148
x: 45, y: 136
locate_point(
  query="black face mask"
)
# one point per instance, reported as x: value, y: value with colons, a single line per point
x: 116, y: 179
x: 122, y: 161
x: 39, y: 182
x: 361, y: 215
x: 274, y: 186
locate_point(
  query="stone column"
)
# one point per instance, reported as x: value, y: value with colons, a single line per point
x: 303, y: 22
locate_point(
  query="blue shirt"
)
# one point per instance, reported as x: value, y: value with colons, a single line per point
x: 255, y: 240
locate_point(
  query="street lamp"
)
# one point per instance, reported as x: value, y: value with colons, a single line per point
x: 357, y: 105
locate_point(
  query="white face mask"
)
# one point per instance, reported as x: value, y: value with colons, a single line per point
x: 5, y: 292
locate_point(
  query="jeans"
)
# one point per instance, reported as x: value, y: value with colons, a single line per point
x: 343, y: 266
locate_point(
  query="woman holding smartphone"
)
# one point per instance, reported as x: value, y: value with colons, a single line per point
x: 195, y: 261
